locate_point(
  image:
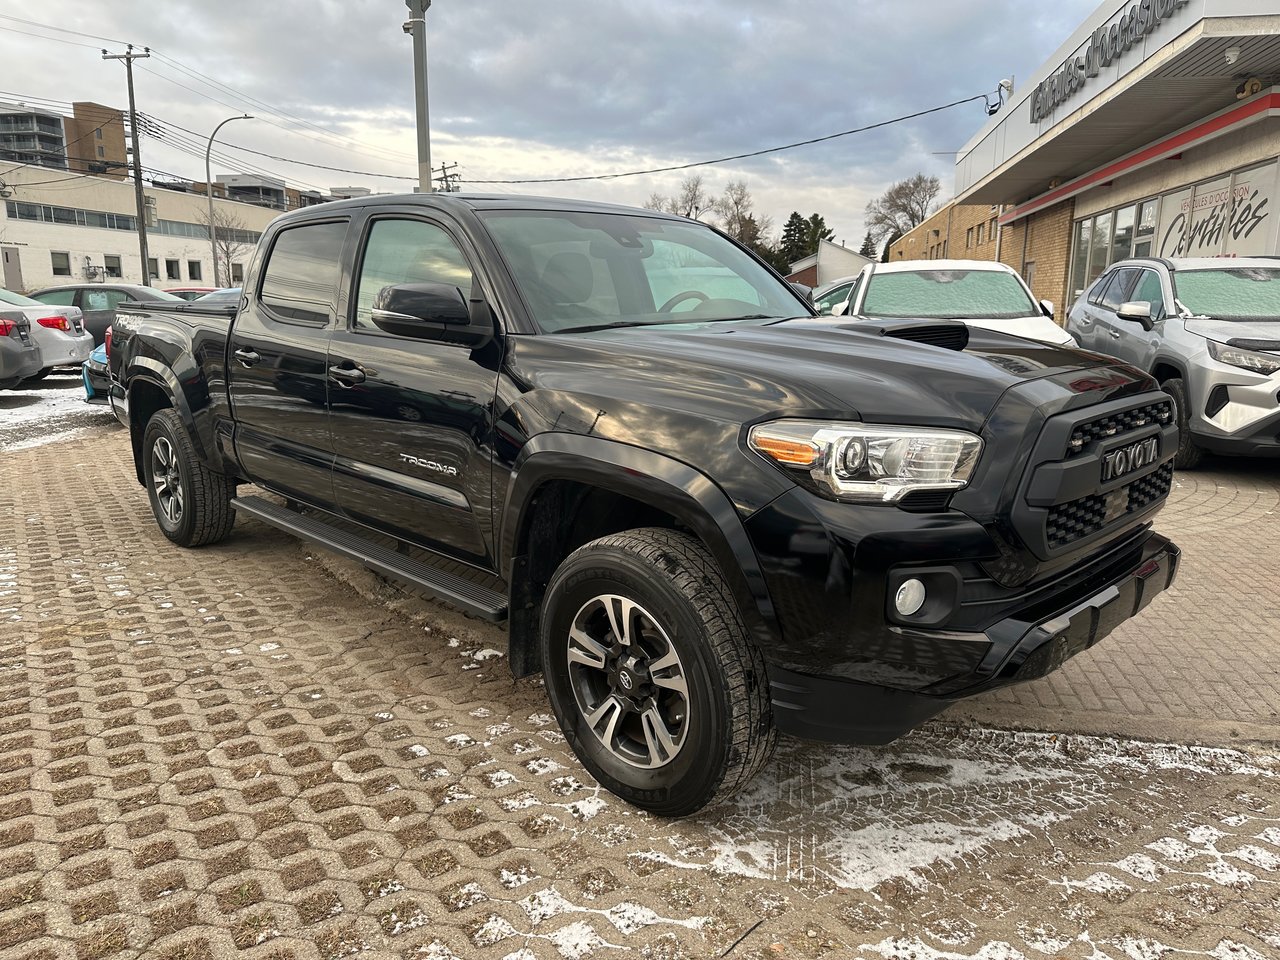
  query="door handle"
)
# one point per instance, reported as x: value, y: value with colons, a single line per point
x: 247, y: 357
x: 1114, y: 334
x: 347, y: 376
x: 1085, y: 322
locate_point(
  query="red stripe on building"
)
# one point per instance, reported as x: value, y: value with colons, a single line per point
x: 1236, y: 116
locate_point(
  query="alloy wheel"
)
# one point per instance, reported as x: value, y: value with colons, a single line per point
x: 628, y: 681
x: 166, y: 480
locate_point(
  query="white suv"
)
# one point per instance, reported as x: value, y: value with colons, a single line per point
x: 982, y: 293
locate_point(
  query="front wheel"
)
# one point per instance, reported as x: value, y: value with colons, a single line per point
x: 651, y: 673
x: 191, y: 503
x: 1189, y: 455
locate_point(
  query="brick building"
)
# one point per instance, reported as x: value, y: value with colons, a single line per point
x: 1154, y: 130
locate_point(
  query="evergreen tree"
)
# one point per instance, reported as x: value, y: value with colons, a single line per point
x: 868, y: 246
x: 815, y: 230
x: 793, y: 245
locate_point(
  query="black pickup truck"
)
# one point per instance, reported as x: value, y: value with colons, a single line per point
x: 705, y: 514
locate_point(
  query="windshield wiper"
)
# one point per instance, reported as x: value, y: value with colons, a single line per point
x: 610, y: 325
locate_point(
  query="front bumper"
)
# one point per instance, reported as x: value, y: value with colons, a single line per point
x: 844, y: 711
x: 1235, y: 412
x: 96, y: 382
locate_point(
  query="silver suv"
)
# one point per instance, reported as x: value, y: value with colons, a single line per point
x: 1209, y: 331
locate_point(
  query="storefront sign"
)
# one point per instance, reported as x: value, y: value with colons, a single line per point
x: 1227, y: 216
x: 1106, y: 45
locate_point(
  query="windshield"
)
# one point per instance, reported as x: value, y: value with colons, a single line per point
x: 1240, y: 293
x: 582, y: 271
x: 948, y: 295
x: 18, y: 300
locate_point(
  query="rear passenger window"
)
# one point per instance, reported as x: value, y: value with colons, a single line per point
x: 300, y: 282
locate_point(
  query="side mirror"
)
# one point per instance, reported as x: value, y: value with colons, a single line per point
x: 1136, y: 311
x: 840, y: 309
x: 1047, y: 307
x: 432, y: 311
x: 804, y: 290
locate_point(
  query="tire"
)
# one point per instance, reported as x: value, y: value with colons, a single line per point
x: 685, y: 630
x: 191, y: 503
x: 38, y: 375
x: 1189, y: 455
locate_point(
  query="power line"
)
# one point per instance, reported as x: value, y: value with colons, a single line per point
x: 304, y: 163
x: 49, y: 26
x: 41, y: 36
x: 742, y: 156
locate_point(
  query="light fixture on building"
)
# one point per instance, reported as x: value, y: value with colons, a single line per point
x: 1232, y: 54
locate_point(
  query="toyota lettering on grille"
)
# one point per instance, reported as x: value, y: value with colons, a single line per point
x: 1126, y: 460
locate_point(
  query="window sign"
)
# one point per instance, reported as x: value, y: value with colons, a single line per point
x: 1250, y: 226
x: 1174, y: 211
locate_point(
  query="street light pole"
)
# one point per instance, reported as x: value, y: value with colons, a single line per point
x: 417, y: 26
x: 208, y: 187
x: 128, y: 57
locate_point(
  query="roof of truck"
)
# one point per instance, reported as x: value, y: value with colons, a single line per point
x: 478, y: 201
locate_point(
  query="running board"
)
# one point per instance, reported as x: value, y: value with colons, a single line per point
x: 466, y: 596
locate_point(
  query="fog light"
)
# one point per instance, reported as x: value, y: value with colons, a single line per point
x: 909, y: 598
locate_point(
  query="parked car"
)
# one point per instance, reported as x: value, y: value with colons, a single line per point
x: 97, y: 380
x: 1208, y: 329
x: 225, y: 295
x: 982, y: 293
x: 707, y: 514
x: 59, y: 331
x: 190, y: 293
x: 19, y: 354
x: 830, y: 295
x: 98, y: 301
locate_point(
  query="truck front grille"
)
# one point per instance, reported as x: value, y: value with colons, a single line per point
x: 1068, y: 522
x: 1115, y: 424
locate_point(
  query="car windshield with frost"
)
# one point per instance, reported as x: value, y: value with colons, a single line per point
x: 593, y: 271
x: 1242, y: 293
x: 948, y: 295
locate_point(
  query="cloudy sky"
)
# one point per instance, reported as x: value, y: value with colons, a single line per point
x: 556, y: 89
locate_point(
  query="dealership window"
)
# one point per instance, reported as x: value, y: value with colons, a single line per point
x: 981, y: 226
x: 1122, y: 234
x: 111, y: 265
x: 1145, y: 229
x: 193, y: 270
x: 1100, y: 246
x: 172, y: 270
x: 1080, y: 245
x: 61, y: 264
x: 991, y: 229
x: 968, y: 237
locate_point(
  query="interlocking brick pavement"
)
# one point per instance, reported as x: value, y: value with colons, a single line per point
x: 228, y: 752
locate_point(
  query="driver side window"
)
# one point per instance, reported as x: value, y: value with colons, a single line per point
x: 407, y: 251
x: 1148, y: 289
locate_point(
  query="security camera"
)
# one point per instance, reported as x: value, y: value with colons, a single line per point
x: 1006, y: 85
x: 1232, y: 54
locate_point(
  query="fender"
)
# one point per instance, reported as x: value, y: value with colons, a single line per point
x: 197, y: 421
x: 675, y: 487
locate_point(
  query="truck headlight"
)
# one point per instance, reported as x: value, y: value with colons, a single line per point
x: 1263, y: 363
x: 855, y: 461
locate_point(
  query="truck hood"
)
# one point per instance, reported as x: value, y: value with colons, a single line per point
x: 744, y: 370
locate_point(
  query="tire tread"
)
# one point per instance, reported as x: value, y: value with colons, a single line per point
x: 211, y: 493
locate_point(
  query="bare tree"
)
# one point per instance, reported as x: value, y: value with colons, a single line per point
x: 691, y: 200
x: 736, y: 218
x: 903, y: 206
x: 231, y: 242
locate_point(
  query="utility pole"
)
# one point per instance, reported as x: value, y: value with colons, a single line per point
x: 448, y: 180
x: 128, y: 57
x: 417, y: 26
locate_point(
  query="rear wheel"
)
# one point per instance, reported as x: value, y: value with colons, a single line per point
x: 191, y: 503
x: 1189, y: 455
x: 651, y: 674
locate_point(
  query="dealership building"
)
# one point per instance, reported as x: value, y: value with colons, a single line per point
x: 1154, y: 130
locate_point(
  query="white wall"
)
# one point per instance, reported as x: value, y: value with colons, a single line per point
x: 34, y: 241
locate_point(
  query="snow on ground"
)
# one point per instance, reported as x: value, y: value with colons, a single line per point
x: 51, y: 411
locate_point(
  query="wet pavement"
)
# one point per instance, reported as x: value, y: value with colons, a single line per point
x: 256, y: 751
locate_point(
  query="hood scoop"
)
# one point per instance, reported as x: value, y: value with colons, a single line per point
x: 948, y: 334
x: 1254, y: 344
